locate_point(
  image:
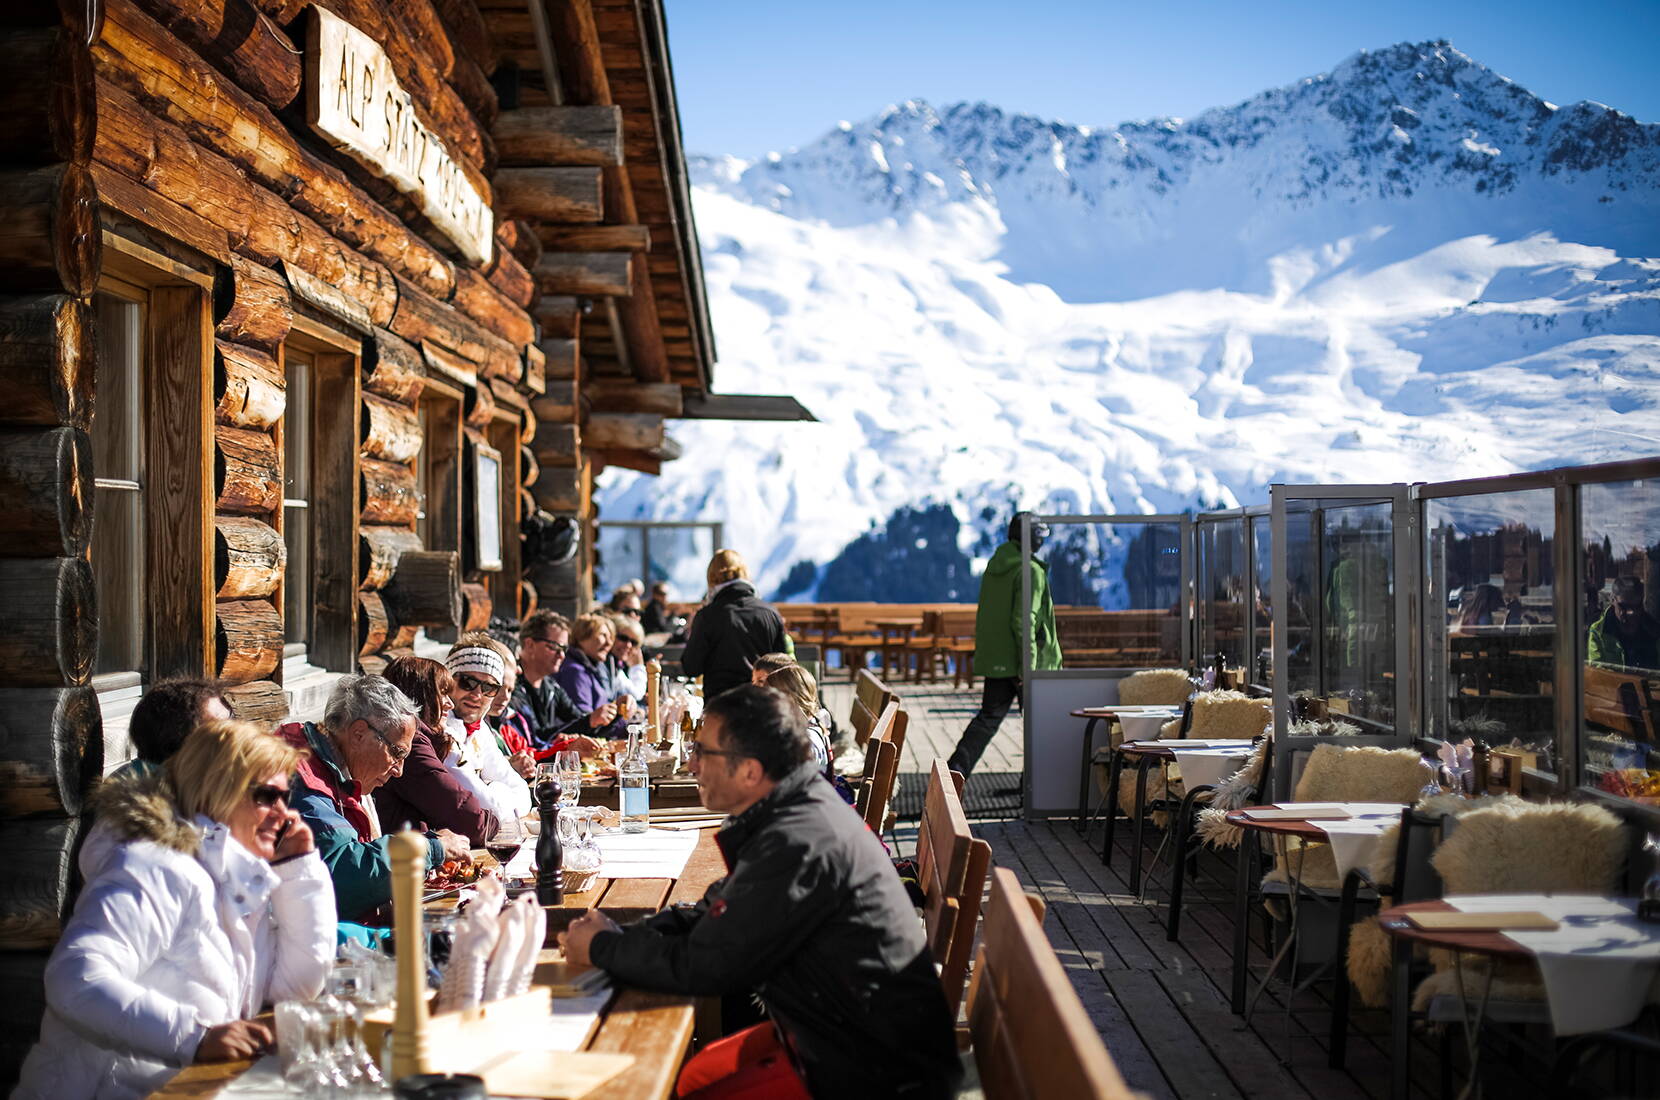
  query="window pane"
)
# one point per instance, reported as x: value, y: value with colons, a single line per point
x: 680, y: 557
x: 1620, y: 611
x: 1221, y: 592
x: 618, y: 550
x: 1262, y: 532
x: 1117, y: 590
x: 296, y: 532
x: 118, y: 511
x: 1358, y: 646
x: 1491, y: 621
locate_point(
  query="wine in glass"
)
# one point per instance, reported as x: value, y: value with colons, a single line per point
x: 506, y: 842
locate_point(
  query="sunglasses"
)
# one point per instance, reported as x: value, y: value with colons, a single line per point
x: 467, y: 682
x: 631, y: 611
x: 266, y: 796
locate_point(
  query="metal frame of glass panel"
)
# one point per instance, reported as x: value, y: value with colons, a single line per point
x: 1405, y: 550
x: 1258, y: 519
x: 1247, y: 518
x: 1567, y: 484
x: 646, y: 526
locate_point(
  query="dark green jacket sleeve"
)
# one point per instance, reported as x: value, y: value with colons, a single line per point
x: 361, y: 870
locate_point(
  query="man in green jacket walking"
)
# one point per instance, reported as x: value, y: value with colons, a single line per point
x: 998, y: 628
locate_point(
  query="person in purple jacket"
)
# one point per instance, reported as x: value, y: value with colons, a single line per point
x: 585, y: 677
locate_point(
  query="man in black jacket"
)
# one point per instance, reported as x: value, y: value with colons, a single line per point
x: 810, y: 917
x: 555, y: 721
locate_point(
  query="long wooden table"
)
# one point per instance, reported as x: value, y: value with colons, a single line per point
x: 654, y: 1027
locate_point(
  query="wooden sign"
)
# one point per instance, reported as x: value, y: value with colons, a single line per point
x: 354, y: 100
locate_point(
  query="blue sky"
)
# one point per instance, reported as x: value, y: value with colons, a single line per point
x: 756, y: 76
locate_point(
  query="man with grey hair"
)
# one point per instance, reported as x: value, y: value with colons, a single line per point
x: 362, y: 742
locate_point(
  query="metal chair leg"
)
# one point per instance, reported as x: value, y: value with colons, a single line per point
x: 1242, y: 920
x: 1340, y: 992
x: 1140, y: 812
x: 1400, y: 1023
x: 1113, y: 772
x: 1085, y: 767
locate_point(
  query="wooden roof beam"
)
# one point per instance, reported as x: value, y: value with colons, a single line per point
x: 560, y: 136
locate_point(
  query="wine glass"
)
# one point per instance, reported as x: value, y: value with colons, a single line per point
x: 568, y: 763
x: 506, y: 842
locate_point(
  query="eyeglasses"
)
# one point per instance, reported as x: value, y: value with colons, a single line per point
x: 467, y: 682
x: 550, y: 643
x: 625, y: 640
x: 634, y: 611
x: 396, y: 753
x: 698, y: 752
x: 267, y: 796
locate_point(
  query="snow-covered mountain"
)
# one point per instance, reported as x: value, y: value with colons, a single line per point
x: 1408, y: 268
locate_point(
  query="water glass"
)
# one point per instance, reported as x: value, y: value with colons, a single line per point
x: 568, y: 762
x: 301, y: 1044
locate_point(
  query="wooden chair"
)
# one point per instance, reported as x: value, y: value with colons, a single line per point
x: 1032, y: 1038
x: 870, y: 698
x: 951, y: 866
x: 849, y: 633
x: 882, y: 751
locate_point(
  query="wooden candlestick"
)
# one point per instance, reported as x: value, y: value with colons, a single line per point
x: 408, y: 852
x: 654, y: 705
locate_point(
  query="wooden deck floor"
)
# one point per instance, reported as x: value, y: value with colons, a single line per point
x: 1162, y: 1008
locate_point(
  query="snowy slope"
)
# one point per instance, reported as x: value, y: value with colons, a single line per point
x: 1408, y: 268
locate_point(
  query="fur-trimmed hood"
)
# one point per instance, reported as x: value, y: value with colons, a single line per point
x: 139, y: 808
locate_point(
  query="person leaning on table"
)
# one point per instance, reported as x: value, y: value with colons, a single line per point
x: 212, y: 903
x: 810, y: 917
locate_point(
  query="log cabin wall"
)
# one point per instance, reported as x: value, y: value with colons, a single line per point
x: 177, y: 132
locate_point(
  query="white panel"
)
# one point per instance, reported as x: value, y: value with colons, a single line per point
x: 1054, y: 739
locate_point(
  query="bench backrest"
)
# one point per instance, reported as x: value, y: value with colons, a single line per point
x: 881, y: 766
x: 1032, y: 1038
x: 951, y: 869
x: 870, y: 697
x: 955, y: 624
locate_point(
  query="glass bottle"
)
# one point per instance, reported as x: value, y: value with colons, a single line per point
x: 634, y: 784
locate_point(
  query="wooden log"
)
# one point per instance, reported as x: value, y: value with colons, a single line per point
x: 529, y: 468
x: 157, y: 214
x: 476, y: 92
x: 558, y: 445
x: 389, y: 493
x: 560, y: 358
x: 251, y: 305
x: 51, y: 635
x: 512, y: 278
x: 260, y: 701
x: 506, y: 394
x: 549, y: 194
x: 527, y: 428
x: 256, y: 222
x: 421, y: 318
x: 586, y: 274
x: 527, y: 502
x: 36, y: 899
x: 559, y: 404
x: 390, y: 430
x: 559, y: 315
x: 519, y: 238
x: 542, y: 136
x: 426, y: 590
x: 249, y: 390
x: 469, y: 33
x: 476, y: 603
x: 247, y: 640
x: 595, y: 238
x: 49, y: 237
x: 246, y: 472
x: 480, y: 407
x: 239, y: 39
x: 393, y: 368
x: 527, y: 600
x: 402, y: 638
x: 381, y: 549
x: 373, y: 666
x: 52, y: 740
x: 617, y: 395
x: 249, y: 557
x: 558, y: 489
x: 46, y: 111
x: 47, y: 359
x: 166, y: 77
x: 424, y: 34
x: 373, y: 624
x: 477, y: 297
x: 624, y: 431
x: 645, y: 462
x: 46, y: 492
x: 450, y: 366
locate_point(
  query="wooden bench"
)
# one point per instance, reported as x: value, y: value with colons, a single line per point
x: 1032, y: 1038
x: 1092, y: 638
x: 951, y: 868
x: 954, y: 642
x: 882, y: 751
x: 1624, y: 700
x: 870, y: 697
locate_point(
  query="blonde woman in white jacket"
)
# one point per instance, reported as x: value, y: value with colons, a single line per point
x: 208, y: 902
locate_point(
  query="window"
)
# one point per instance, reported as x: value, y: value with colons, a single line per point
x: 1221, y: 591
x: 297, y: 598
x: 118, y: 448
x: 1262, y: 616
x: 1619, y: 571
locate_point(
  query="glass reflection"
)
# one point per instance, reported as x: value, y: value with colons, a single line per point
x: 1262, y: 588
x: 1117, y: 590
x: 1221, y: 592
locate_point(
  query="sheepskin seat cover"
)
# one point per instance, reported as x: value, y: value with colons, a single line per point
x: 1518, y: 847
x: 1359, y: 773
x: 1155, y: 687
x: 1216, y: 714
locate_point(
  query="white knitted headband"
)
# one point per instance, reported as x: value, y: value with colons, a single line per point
x: 478, y: 660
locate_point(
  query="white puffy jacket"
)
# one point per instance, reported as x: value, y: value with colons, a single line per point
x: 181, y: 929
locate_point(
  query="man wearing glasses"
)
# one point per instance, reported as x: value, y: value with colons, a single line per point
x: 555, y: 721
x: 362, y: 742
x: 810, y: 918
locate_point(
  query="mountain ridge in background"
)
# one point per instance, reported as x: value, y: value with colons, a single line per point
x: 1409, y: 268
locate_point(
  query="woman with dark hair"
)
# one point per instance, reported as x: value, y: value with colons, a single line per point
x: 427, y: 795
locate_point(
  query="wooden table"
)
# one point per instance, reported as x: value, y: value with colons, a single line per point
x: 905, y: 628
x: 675, y: 791
x: 654, y: 1027
x: 1095, y: 716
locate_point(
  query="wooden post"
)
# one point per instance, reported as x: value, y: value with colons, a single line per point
x: 408, y: 853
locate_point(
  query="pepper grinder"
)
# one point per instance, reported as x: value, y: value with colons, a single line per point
x: 550, y: 851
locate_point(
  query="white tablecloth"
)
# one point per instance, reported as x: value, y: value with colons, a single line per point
x: 655, y: 853
x: 1600, y: 965
x: 1209, y: 767
x: 1354, y: 838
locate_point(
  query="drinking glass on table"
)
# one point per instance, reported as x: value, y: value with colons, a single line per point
x: 506, y: 841
x: 568, y: 763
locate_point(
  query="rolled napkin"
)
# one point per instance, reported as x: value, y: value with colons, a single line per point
x: 475, y: 938
x: 504, y: 958
x: 535, y: 920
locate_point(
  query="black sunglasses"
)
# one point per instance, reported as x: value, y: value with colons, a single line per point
x: 266, y: 796
x: 550, y: 643
x: 468, y: 682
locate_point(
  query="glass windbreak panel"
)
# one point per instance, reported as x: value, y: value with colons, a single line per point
x: 1620, y: 615
x: 118, y: 466
x: 1262, y: 589
x: 1222, y: 592
x: 680, y: 558
x: 1490, y: 622
x: 1357, y: 606
x: 1301, y: 555
x: 620, y: 557
x: 1117, y: 591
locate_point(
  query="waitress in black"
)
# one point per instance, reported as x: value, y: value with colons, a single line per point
x: 732, y: 629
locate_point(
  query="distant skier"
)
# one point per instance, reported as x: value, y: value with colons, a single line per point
x: 998, y: 627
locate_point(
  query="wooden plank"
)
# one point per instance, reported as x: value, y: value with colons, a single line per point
x: 636, y: 893
x: 657, y: 1029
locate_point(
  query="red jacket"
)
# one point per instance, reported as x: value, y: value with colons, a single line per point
x: 427, y: 796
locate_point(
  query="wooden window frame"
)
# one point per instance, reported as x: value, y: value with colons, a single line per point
x: 503, y: 434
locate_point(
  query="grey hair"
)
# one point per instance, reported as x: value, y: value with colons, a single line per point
x: 372, y: 698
